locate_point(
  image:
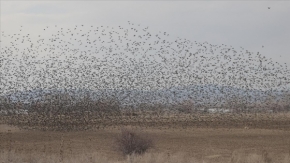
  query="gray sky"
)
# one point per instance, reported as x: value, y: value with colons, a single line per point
x: 246, y: 24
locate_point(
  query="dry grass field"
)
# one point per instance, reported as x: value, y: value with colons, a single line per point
x: 210, y: 138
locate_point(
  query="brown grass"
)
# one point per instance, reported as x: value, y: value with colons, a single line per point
x: 186, y: 145
x: 254, y: 137
x: 237, y: 157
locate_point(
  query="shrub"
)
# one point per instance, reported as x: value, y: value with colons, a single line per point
x: 129, y: 142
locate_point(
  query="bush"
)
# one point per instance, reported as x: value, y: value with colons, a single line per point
x: 129, y: 142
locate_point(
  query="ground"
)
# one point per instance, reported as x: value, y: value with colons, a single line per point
x: 208, y: 144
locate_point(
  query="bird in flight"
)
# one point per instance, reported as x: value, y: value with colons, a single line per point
x: 117, y: 59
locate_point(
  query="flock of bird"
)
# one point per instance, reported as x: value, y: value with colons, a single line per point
x: 133, y: 61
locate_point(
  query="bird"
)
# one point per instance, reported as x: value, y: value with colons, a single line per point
x: 146, y: 66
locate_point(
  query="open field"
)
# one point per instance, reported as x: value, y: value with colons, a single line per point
x: 267, y: 139
x: 164, y: 120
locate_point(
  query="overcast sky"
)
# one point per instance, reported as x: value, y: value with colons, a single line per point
x: 247, y: 24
